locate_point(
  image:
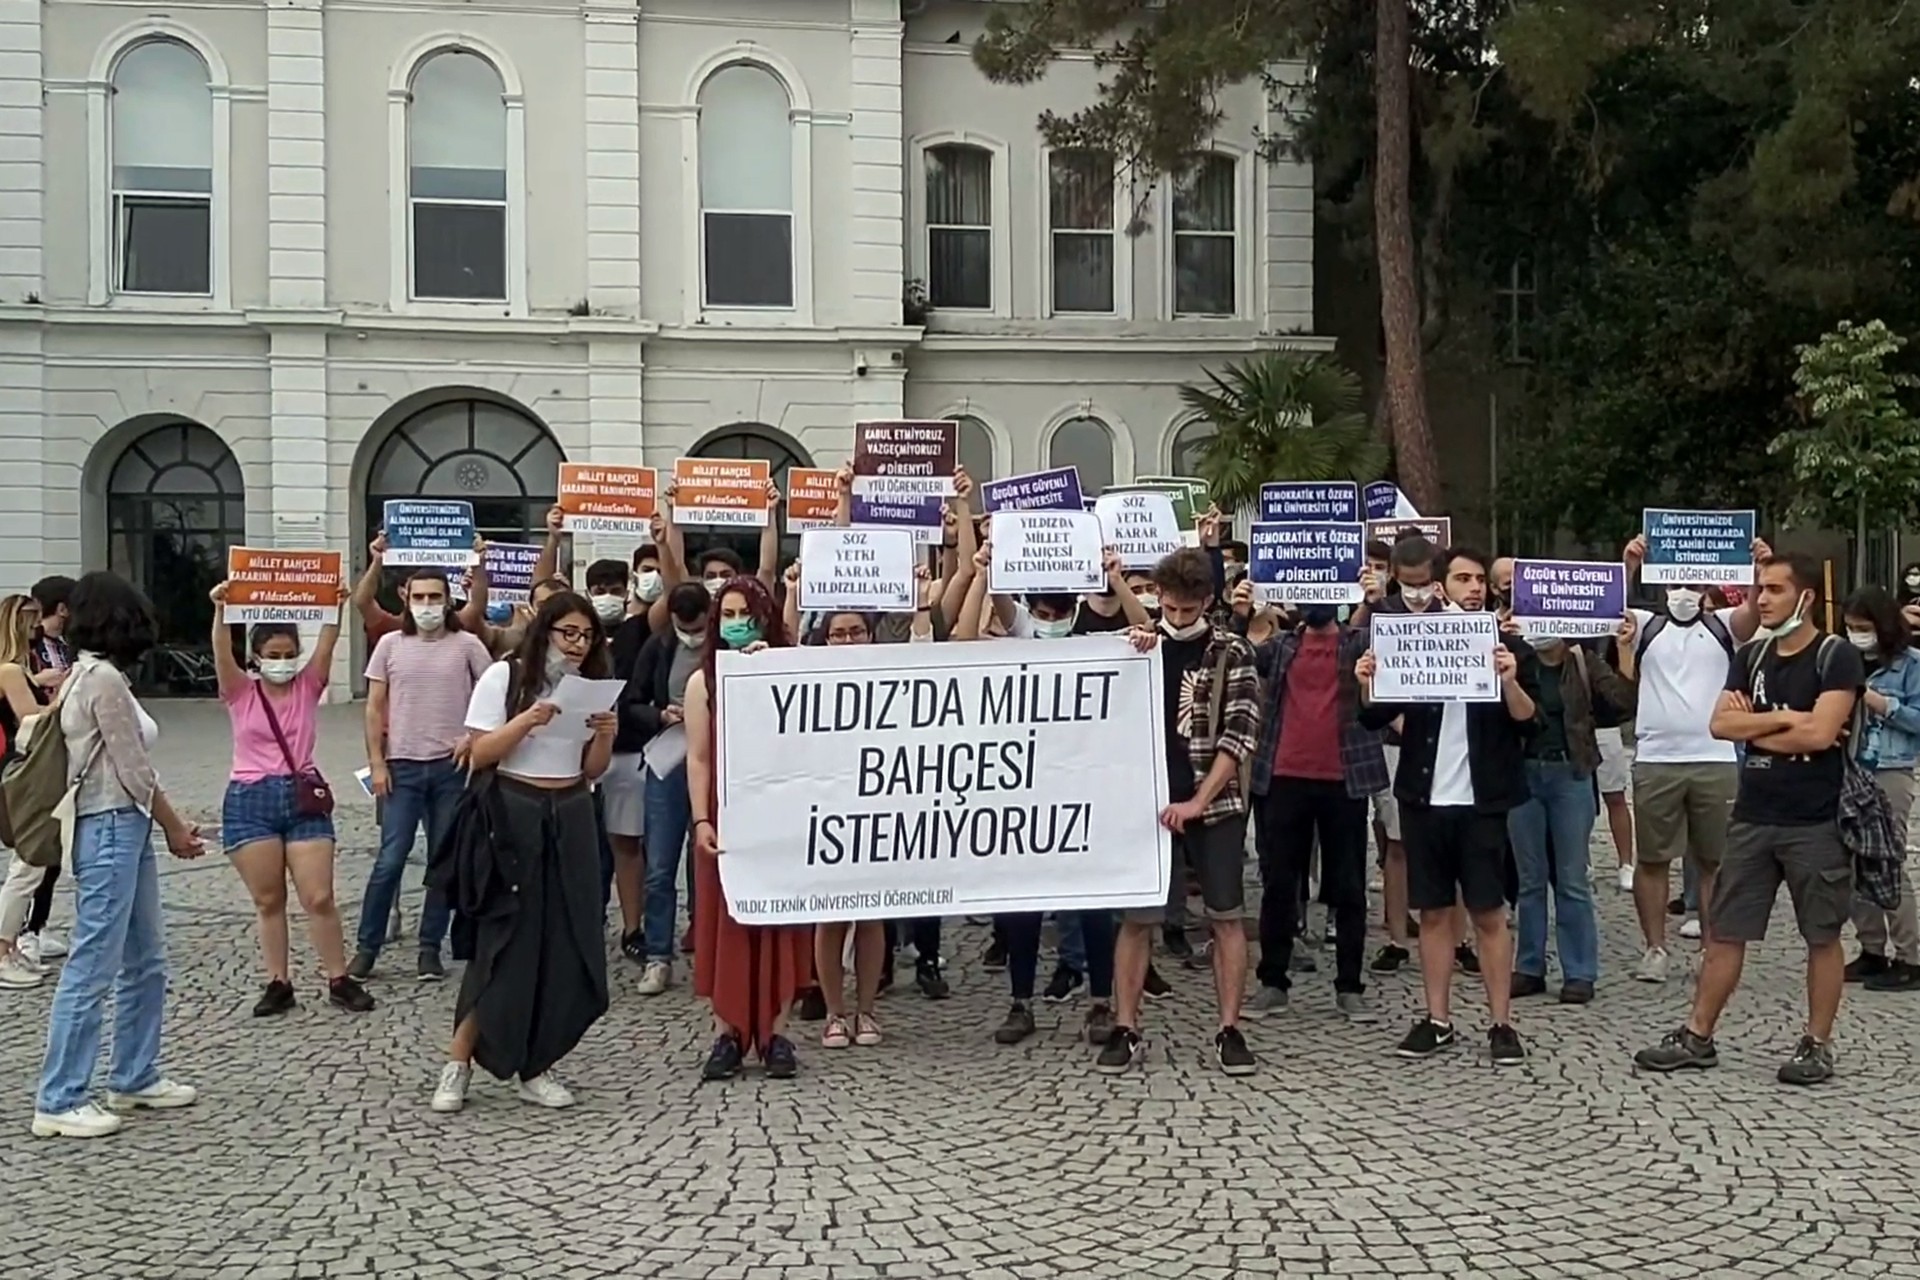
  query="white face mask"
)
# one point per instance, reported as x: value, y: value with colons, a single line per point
x: 1192, y: 631
x: 689, y: 639
x: 279, y: 670
x: 1791, y: 625
x: 559, y: 665
x: 610, y: 608
x: 1052, y: 628
x: 648, y: 586
x: 1683, y: 605
x: 1148, y: 601
x: 1864, y: 641
x: 1417, y: 598
x: 714, y: 585
x: 429, y: 617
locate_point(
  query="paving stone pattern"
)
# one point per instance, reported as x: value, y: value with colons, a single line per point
x: 312, y: 1152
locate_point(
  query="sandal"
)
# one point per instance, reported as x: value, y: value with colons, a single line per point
x: 866, y: 1030
x: 835, y: 1035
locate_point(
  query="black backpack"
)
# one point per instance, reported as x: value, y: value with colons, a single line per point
x: 1708, y: 619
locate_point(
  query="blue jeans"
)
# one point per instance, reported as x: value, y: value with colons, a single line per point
x: 423, y: 791
x: 1073, y: 940
x: 669, y: 812
x: 117, y: 942
x: 1562, y: 804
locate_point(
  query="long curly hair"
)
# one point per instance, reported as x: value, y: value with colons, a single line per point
x: 760, y: 607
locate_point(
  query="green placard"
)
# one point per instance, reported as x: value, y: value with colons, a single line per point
x: 1202, y: 491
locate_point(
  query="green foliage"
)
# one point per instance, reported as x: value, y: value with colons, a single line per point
x: 1283, y: 417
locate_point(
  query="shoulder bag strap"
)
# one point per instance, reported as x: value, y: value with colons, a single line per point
x: 273, y: 722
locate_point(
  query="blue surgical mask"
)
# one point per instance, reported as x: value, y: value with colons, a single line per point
x: 499, y: 614
x: 738, y: 633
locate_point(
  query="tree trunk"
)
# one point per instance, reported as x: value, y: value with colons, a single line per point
x: 1405, y: 380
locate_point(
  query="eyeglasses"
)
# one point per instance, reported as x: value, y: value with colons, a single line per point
x: 574, y: 635
x: 844, y: 634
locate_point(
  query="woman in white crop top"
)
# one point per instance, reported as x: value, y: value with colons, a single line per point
x: 538, y: 977
x: 117, y: 943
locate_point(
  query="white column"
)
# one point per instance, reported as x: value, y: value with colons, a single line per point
x: 614, y: 434
x: 612, y: 93
x: 1285, y: 240
x: 25, y: 503
x: 298, y: 495
x: 21, y: 130
x: 879, y: 225
x: 296, y: 156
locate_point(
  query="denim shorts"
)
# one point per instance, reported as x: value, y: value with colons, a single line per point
x: 263, y: 810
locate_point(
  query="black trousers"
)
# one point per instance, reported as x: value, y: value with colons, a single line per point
x: 43, y: 900
x: 924, y: 933
x: 1296, y: 812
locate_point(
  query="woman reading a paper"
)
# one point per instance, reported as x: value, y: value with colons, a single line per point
x: 522, y: 864
x: 749, y: 973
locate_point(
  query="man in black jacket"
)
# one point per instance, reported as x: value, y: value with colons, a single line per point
x: 1461, y: 770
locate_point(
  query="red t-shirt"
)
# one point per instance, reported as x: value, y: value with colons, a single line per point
x: 1309, y: 745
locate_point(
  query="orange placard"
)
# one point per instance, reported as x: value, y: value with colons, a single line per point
x: 282, y: 586
x: 727, y: 491
x: 813, y: 498
x: 597, y: 499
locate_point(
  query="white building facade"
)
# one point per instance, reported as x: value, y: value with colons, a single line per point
x: 267, y: 263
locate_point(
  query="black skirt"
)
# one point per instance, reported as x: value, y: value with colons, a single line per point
x: 538, y: 977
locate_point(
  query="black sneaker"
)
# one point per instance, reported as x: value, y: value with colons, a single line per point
x: 360, y: 968
x: 275, y: 1000
x: 932, y: 984
x: 812, y: 1006
x: 344, y: 993
x: 1679, y: 1049
x: 1504, y: 1047
x: 994, y: 958
x: 634, y: 946
x: 1811, y: 1063
x: 1576, y: 991
x: 1426, y: 1039
x: 1900, y: 976
x: 1175, y: 941
x: 723, y: 1060
x: 1017, y: 1027
x: 1099, y: 1022
x: 1867, y: 965
x: 1157, y: 987
x: 1230, y: 1050
x: 1390, y: 959
x: 1122, y: 1047
x: 429, y: 968
x: 1066, y: 982
x: 781, y: 1062
x: 1678, y: 907
x: 1527, y: 984
x: 1464, y: 961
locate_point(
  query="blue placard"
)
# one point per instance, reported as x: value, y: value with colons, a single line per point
x: 1302, y: 562
x: 432, y: 533
x: 510, y: 571
x: 921, y: 514
x: 1055, y: 490
x: 1697, y: 547
x: 1572, y: 599
x: 1383, y: 501
x: 1328, y: 502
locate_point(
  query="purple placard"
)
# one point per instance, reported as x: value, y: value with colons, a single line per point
x: 921, y: 514
x: 1055, y: 490
x: 1572, y: 599
x: 1382, y: 499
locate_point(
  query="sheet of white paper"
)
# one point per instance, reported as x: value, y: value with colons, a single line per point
x: 577, y: 698
x: 667, y: 751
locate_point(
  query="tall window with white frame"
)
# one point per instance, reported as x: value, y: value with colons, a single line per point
x: 1204, y: 266
x: 960, y: 227
x: 1519, y: 321
x: 457, y: 179
x: 1080, y: 223
x: 746, y: 189
x: 162, y: 144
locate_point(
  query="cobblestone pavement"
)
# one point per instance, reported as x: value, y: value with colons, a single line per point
x: 312, y: 1152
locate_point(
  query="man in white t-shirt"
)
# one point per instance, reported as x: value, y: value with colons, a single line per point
x: 1684, y: 779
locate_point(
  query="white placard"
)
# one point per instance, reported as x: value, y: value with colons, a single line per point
x: 869, y: 570
x: 1435, y: 657
x: 861, y: 782
x: 1046, y: 551
x: 1141, y: 526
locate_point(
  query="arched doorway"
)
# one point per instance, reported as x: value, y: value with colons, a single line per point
x: 175, y: 503
x: 750, y: 440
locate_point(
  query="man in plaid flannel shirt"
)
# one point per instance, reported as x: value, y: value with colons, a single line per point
x: 1212, y: 724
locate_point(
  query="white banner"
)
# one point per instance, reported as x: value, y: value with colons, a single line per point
x: 1435, y: 657
x: 859, y: 782
x: 1043, y: 551
x: 868, y: 570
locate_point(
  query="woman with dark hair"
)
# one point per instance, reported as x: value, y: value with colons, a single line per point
x: 277, y: 819
x: 749, y: 974
x: 23, y: 956
x: 522, y: 864
x: 1890, y: 747
x: 118, y: 939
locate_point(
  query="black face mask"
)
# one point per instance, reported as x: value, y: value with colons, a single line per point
x: 1319, y: 615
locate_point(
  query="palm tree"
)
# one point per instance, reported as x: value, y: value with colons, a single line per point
x: 1283, y: 416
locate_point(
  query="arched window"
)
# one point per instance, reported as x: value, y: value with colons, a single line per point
x: 746, y: 189
x: 457, y: 178
x: 960, y: 226
x: 162, y: 145
x: 1204, y: 233
x: 490, y: 454
x: 749, y: 440
x: 175, y: 504
x: 976, y: 448
x: 1087, y: 445
x: 1190, y: 446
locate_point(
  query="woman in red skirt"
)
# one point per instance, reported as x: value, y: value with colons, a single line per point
x: 750, y: 974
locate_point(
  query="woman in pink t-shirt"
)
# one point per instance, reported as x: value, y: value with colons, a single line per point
x: 277, y: 820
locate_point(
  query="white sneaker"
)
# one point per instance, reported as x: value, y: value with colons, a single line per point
x: 451, y: 1093
x: 18, y: 975
x: 1626, y: 879
x: 1652, y: 966
x: 84, y: 1121
x: 52, y: 945
x: 161, y: 1095
x: 1691, y: 929
x: 656, y: 978
x: 545, y: 1091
